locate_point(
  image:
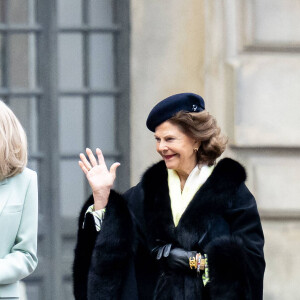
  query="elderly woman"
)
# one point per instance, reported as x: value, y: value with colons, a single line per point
x: 18, y: 207
x: 189, y: 230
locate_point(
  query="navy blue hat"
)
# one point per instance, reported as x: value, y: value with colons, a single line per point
x: 168, y: 107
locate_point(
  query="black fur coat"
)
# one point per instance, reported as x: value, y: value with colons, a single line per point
x: 221, y: 221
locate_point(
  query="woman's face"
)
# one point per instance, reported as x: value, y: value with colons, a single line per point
x: 176, y: 148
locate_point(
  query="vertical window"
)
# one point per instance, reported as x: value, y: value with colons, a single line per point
x: 64, y: 72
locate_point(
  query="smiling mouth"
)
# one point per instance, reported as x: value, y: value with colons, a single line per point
x: 167, y: 157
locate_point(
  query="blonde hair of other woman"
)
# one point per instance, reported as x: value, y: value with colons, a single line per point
x: 13, y: 143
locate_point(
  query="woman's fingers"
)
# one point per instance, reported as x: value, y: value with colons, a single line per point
x: 85, y: 162
x: 91, y: 157
x: 100, y: 178
x: 113, y: 169
x: 83, y: 168
x: 100, y: 156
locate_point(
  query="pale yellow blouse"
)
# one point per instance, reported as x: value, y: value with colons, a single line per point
x: 180, y: 200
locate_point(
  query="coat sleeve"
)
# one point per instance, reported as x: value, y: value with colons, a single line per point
x: 86, y: 237
x: 236, y: 262
x: 22, y: 260
x: 104, y: 259
x: 112, y: 255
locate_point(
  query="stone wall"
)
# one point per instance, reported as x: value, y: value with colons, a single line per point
x: 253, y: 59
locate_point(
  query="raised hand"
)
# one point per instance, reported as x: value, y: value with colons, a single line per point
x: 100, y: 178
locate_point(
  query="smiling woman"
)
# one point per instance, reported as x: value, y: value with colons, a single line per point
x: 189, y: 230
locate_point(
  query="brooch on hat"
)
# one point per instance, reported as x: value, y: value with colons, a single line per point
x: 195, y: 107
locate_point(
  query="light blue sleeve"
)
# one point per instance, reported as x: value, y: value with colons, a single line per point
x: 22, y: 260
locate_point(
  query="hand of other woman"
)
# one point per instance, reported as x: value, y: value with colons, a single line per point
x: 99, y: 177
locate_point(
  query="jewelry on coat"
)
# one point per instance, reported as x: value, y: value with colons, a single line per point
x: 200, y: 262
x: 198, y: 258
x: 193, y: 263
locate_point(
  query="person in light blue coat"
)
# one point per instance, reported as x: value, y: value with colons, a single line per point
x: 18, y: 207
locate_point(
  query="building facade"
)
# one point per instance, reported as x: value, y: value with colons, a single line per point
x: 84, y: 73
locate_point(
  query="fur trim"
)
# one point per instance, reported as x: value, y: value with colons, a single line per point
x: 83, y: 251
x: 112, y: 251
x: 216, y: 195
x: 229, y: 172
x: 157, y: 205
x: 228, y: 269
x: 101, y: 259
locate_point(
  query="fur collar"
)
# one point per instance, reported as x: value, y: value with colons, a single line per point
x: 214, y: 196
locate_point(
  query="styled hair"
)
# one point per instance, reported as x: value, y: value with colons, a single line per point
x: 202, y: 127
x: 13, y: 143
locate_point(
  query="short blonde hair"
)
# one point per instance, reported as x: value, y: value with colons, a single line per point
x: 13, y: 143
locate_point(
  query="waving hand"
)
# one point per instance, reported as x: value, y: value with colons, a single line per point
x: 99, y: 177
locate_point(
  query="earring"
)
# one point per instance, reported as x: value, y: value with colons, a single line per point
x: 195, y: 150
